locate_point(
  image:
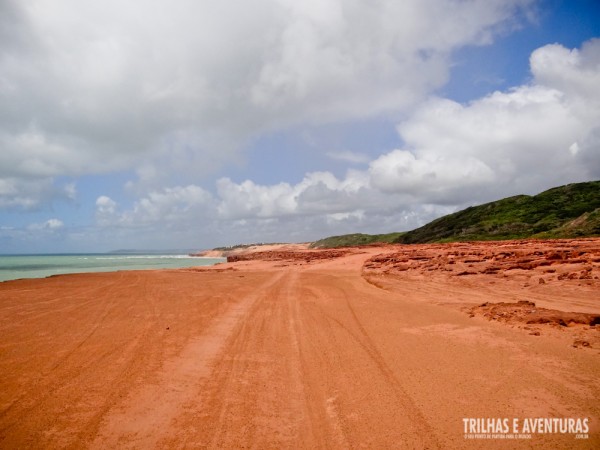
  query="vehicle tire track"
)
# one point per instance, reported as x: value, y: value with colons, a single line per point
x: 149, y: 417
x: 354, y: 328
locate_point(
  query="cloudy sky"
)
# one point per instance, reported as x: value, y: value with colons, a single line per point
x: 191, y: 123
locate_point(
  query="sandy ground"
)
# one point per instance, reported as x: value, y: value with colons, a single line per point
x: 377, y: 347
x: 251, y: 249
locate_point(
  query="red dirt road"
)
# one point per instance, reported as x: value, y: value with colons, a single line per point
x: 282, y: 354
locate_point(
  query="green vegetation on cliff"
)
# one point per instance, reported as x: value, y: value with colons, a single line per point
x: 567, y: 211
x: 350, y: 240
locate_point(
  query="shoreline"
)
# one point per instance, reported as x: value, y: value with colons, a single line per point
x: 381, y: 346
x: 14, y: 267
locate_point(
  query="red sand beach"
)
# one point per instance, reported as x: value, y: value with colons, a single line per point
x: 373, y: 347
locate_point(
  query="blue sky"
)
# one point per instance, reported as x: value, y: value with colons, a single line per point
x: 187, y: 124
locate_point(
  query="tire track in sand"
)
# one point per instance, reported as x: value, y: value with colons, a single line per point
x: 296, y: 373
x: 255, y: 396
x: 344, y: 317
x: 146, y: 417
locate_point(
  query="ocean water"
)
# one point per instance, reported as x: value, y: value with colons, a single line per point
x: 39, y: 266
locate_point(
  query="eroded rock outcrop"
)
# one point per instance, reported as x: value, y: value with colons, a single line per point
x: 567, y: 259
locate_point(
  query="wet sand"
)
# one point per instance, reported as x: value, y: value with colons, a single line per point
x: 376, y: 347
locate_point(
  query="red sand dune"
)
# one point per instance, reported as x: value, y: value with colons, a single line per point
x: 376, y: 347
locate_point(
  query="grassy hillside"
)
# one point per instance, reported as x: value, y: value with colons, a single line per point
x: 349, y: 240
x: 566, y: 211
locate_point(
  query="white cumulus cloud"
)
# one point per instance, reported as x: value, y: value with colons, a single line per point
x: 174, y: 89
x: 175, y: 205
x: 317, y: 193
x: 49, y: 225
x: 27, y: 193
x: 521, y: 141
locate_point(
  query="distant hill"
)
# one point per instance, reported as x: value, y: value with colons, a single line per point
x: 567, y: 211
x: 350, y: 240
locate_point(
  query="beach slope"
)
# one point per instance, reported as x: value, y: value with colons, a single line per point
x: 371, y: 347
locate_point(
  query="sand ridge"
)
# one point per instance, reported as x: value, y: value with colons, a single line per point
x: 293, y: 350
x: 252, y: 249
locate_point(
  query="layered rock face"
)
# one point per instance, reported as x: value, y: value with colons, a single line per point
x: 540, y: 261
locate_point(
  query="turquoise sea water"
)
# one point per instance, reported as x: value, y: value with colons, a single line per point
x: 39, y: 266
